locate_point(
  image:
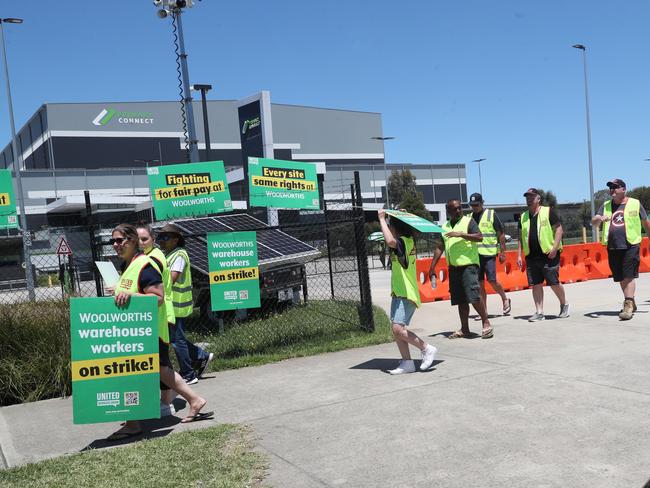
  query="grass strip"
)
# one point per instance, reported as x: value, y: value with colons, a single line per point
x: 219, y: 456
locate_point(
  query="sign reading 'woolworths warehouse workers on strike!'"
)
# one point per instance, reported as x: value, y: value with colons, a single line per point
x: 234, y: 275
x: 283, y: 184
x: 115, y: 366
x: 8, y: 216
x: 188, y: 190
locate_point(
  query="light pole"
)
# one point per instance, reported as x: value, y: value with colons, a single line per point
x: 27, y: 240
x: 383, y: 150
x: 480, y: 178
x: 591, y: 169
x: 204, y: 89
x: 175, y: 9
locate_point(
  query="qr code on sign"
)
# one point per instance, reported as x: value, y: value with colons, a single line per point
x: 243, y: 294
x: 131, y: 398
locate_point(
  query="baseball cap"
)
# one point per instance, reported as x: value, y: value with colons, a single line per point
x: 616, y: 183
x: 532, y: 191
x: 475, y: 198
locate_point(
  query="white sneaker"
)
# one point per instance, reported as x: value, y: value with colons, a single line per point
x: 428, y: 355
x: 167, y: 410
x: 405, y: 366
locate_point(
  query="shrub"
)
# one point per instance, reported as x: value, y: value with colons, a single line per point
x: 34, y: 351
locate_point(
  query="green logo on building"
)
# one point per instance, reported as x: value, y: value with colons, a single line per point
x: 250, y: 124
x: 104, y: 117
x: 122, y: 117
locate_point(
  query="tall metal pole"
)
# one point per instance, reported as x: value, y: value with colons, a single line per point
x: 591, y: 169
x: 206, y: 127
x: 27, y: 240
x: 480, y: 177
x: 187, y: 98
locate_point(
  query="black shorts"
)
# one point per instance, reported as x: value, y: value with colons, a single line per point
x: 487, y: 267
x: 163, y: 359
x: 540, y: 269
x: 624, y: 263
x: 463, y: 284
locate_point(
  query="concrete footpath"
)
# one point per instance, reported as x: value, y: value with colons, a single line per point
x: 561, y: 403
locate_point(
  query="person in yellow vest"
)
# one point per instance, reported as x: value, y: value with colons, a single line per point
x: 192, y: 359
x: 493, y: 244
x: 405, y: 294
x: 141, y: 278
x: 147, y: 244
x: 460, y: 239
x: 541, y: 243
x: 621, y: 219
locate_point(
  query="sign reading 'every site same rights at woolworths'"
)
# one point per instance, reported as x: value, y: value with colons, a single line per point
x: 283, y: 184
x: 234, y: 274
x: 115, y: 368
x: 188, y: 190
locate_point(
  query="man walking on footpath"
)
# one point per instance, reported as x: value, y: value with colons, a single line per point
x: 493, y: 243
x: 461, y: 236
x: 405, y: 293
x: 621, y: 219
x: 541, y: 242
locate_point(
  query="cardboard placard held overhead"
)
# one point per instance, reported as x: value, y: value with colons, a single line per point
x: 418, y: 223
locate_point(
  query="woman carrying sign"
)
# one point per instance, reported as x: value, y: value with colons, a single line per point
x: 140, y: 278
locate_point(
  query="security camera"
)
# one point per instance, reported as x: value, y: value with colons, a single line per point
x: 162, y: 13
x: 157, y: 3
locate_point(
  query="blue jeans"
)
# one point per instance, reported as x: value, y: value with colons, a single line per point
x: 186, y: 352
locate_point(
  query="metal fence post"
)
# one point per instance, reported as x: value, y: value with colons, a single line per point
x: 329, y: 247
x: 365, y: 309
x: 93, y: 245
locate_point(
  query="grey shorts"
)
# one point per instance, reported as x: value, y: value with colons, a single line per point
x: 624, y: 263
x: 463, y: 284
x: 487, y: 268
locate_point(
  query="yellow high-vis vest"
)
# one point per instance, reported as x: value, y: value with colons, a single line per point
x: 459, y: 251
x: 632, y: 221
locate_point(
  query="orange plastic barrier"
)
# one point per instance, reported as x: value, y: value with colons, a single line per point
x: 595, y: 259
x: 644, y: 254
x: 572, y: 266
x: 441, y: 291
x: 509, y: 275
x: 578, y: 262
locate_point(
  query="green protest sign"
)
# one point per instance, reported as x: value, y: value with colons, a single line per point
x: 8, y: 215
x: 418, y: 223
x: 282, y: 184
x: 234, y: 275
x: 189, y: 190
x: 115, y: 369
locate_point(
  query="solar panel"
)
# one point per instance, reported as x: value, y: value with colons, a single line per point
x: 273, y: 245
x: 242, y: 222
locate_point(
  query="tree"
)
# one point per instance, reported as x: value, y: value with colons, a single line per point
x: 403, y: 193
x: 548, y: 198
x: 641, y: 193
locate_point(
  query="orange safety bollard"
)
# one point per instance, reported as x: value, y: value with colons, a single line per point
x: 441, y: 291
x: 572, y: 265
x: 596, y: 261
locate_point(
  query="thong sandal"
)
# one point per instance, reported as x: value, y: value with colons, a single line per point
x: 507, y: 308
x: 197, y: 417
x: 459, y: 334
x: 487, y: 333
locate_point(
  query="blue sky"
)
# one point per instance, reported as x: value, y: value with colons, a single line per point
x: 454, y: 80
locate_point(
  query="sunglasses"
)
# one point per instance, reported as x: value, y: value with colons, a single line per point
x: 117, y: 240
x: 164, y: 237
x: 614, y: 188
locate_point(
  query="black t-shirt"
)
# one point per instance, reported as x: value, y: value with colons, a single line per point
x: 496, y: 221
x: 616, y: 238
x: 533, y: 239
